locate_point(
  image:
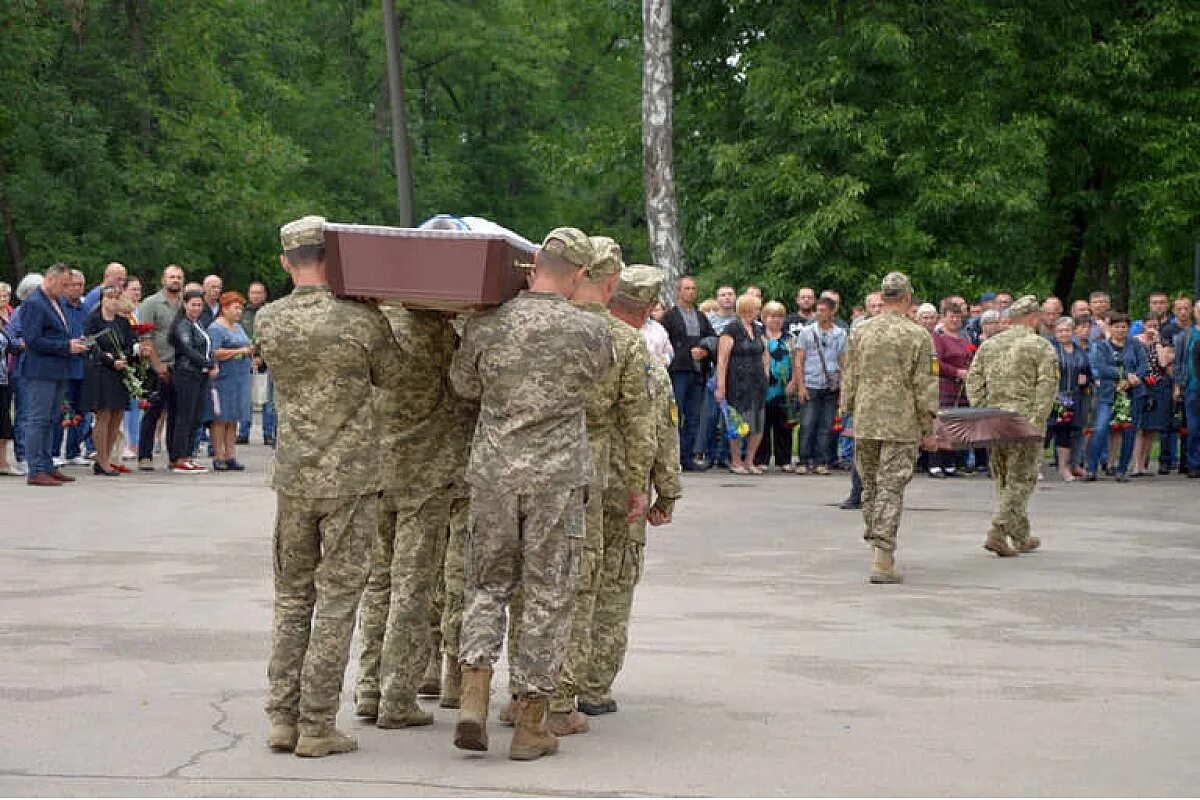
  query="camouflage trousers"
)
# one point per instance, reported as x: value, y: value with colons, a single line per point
x: 1014, y: 472
x: 579, y: 654
x: 454, y: 577
x: 624, y: 546
x: 531, y: 543
x: 321, y: 548
x: 885, y: 469
x: 409, y: 545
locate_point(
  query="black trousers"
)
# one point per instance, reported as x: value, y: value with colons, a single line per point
x: 162, y: 401
x: 189, y: 406
x: 777, y: 437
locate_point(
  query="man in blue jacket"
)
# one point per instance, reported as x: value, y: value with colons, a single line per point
x: 79, y: 437
x: 45, y: 370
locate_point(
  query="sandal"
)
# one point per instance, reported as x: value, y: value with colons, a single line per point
x: 758, y: 470
x: 739, y: 470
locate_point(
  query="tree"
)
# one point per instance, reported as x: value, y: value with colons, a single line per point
x: 658, y: 131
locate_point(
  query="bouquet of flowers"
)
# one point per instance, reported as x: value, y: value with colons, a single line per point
x: 1063, y: 412
x: 1122, y: 416
x: 133, y: 374
x: 735, y: 424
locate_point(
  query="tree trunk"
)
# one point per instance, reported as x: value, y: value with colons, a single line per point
x: 404, y: 200
x: 1068, y: 267
x: 12, y: 243
x: 658, y: 84
x: 1120, y: 289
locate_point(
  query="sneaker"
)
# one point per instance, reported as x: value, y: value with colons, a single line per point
x: 20, y: 468
x: 81, y: 460
x: 801, y: 469
x: 937, y: 472
x: 950, y: 471
x: 196, y: 467
x: 146, y: 464
x: 821, y: 470
x: 128, y: 454
x: 788, y: 468
x: 187, y: 467
x: 58, y: 462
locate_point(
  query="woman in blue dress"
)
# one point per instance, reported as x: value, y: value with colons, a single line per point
x: 232, y: 350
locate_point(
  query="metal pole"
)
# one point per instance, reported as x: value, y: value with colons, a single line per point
x: 404, y: 199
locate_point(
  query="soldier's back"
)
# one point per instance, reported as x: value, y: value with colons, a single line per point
x: 896, y: 369
x: 1011, y: 362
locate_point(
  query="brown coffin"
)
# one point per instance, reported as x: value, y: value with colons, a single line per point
x: 450, y: 270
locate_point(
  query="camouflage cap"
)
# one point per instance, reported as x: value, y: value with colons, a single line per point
x: 895, y: 284
x: 1026, y: 305
x: 301, y: 232
x: 606, y: 258
x: 569, y: 244
x: 641, y: 283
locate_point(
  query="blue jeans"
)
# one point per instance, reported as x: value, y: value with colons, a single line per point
x: 268, y: 415
x: 1191, y: 409
x: 42, y: 398
x: 1100, y: 436
x: 816, y: 422
x: 79, y: 435
x: 19, y: 417
x: 689, y: 399
x: 133, y: 424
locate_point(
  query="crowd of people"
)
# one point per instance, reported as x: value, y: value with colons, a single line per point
x: 758, y: 387
x: 109, y: 377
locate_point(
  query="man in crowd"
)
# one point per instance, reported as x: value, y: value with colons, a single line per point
x: 159, y: 310
x: 873, y: 307
x: 77, y: 436
x: 1016, y: 370
x: 212, y: 287
x: 891, y: 389
x: 256, y: 298
x: 326, y: 485
x: 1158, y: 306
x: 695, y: 343
x: 530, y: 364
x: 1052, y: 311
x: 713, y: 442
x: 624, y: 542
x: 1099, y: 304
x: 726, y: 313
x: 806, y: 311
x: 1187, y: 388
x: 114, y: 275
x: 45, y: 370
x: 816, y: 381
x: 836, y: 298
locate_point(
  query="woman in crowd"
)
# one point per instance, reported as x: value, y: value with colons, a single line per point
x: 954, y: 355
x: 133, y: 416
x: 1157, y: 402
x: 742, y: 369
x: 1119, y: 367
x: 927, y: 316
x: 777, y: 434
x: 1074, y: 374
x: 6, y: 423
x: 232, y: 349
x: 104, y: 391
x: 191, y: 378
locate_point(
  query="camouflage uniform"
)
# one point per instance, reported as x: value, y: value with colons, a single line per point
x: 529, y: 363
x: 327, y: 356
x: 1016, y: 370
x: 410, y: 541
x: 625, y: 544
x: 890, y: 387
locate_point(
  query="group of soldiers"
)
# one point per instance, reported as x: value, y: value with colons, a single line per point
x: 890, y: 389
x: 524, y: 451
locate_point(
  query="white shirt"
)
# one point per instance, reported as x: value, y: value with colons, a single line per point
x: 658, y: 342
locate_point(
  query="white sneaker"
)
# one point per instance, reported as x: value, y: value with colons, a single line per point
x: 128, y: 454
x: 81, y: 461
x: 58, y: 462
x: 19, y: 468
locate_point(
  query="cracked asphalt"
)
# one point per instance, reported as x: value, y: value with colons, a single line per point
x: 134, y: 618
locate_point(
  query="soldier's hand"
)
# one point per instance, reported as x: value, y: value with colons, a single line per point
x: 635, y: 507
x: 658, y: 517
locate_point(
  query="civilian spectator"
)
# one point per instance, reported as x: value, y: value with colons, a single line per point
x: 133, y: 416
x: 1003, y: 300
x: 1187, y: 389
x: 836, y: 297
x: 1085, y: 412
x: 743, y: 369
x: 256, y: 297
x: 233, y: 352
x: 192, y: 375
x: 1052, y: 311
x: 954, y: 354
x: 212, y: 287
x: 1067, y: 415
x: 45, y: 371
x: 77, y: 436
x: 16, y: 343
x: 114, y: 275
x: 1081, y: 308
x: 726, y: 313
x: 1099, y: 306
x: 806, y: 311
x: 160, y: 310
x: 1169, y: 454
x: 1158, y: 400
x: 927, y: 316
x: 104, y: 391
x: 658, y: 342
x: 818, y: 353
x: 777, y: 433
x: 1119, y: 367
x: 694, y: 343
x: 990, y: 323
x: 1158, y: 306
x: 658, y: 312
x: 6, y: 423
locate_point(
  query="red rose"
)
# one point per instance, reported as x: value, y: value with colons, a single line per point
x: 143, y: 404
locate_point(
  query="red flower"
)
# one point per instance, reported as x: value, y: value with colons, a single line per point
x: 143, y: 404
x: 143, y: 328
x: 837, y: 426
x: 972, y: 348
x: 65, y: 424
x: 1151, y: 380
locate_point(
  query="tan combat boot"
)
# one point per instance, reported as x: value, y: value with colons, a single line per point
x: 1029, y: 545
x: 451, y: 684
x: 431, y: 682
x: 998, y: 543
x: 565, y: 723
x: 883, y: 567
x: 392, y: 719
x: 471, y: 731
x: 531, y: 740
x: 367, y: 706
x: 327, y: 743
x: 282, y: 737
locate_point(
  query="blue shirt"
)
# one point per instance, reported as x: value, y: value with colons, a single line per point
x: 77, y: 316
x: 820, y: 346
x: 223, y: 338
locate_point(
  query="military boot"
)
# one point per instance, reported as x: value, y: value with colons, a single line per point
x: 883, y: 567
x: 531, y: 740
x: 326, y: 743
x: 451, y: 684
x: 508, y: 713
x: 282, y: 737
x: 998, y: 543
x: 471, y: 731
x: 1029, y: 545
x: 565, y: 723
x: 392, y: 718
x: 367, y: 706
x: 431, y: 682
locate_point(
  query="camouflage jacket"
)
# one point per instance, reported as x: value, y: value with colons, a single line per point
x: 619, y: 419
x: 664, y: 475
x: 530, y: 363
x: 890, y: 384
x: 1016, y: 370
x: 327, y: 357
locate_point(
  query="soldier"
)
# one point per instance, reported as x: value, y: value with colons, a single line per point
x: 1016, y: 370
x: 625, y: 541
x: 414, y: 522
x: 530, y: 364
x: 891, y: 389
x: 618, y: 419
x: 327, y: 485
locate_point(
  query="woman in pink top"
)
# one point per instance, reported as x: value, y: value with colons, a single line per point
x: 954, y: 354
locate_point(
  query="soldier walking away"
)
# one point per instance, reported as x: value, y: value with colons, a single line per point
x: 327, y: 485
x: 1016, y: 370
x: 891, y: 390
x: 530, y: 364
